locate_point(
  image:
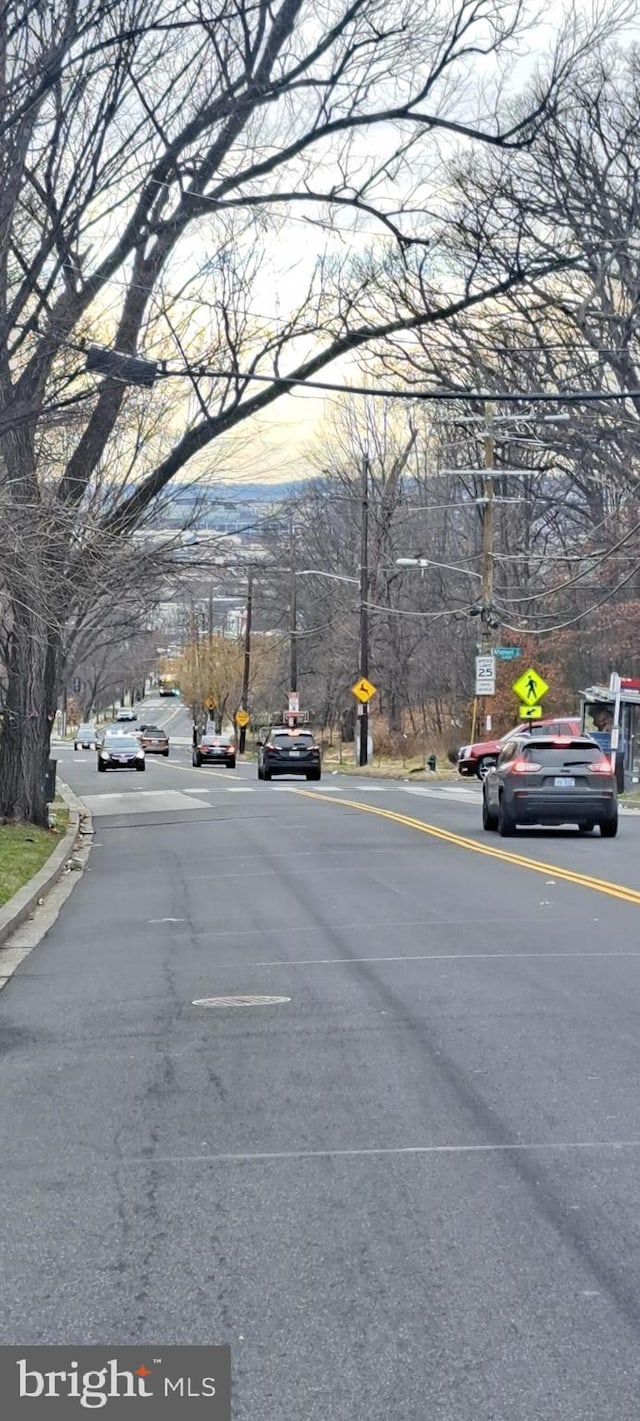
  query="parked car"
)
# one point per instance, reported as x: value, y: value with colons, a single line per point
x: 86, y: 738
x: 154, y: 740
x: 121, y: 752
x: 476, y: 759
x: 289, y: 752
x: 551, y: 779
x: 219, y: 747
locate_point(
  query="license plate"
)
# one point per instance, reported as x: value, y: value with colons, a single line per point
x: 565, y: 781
x: 294, y: 754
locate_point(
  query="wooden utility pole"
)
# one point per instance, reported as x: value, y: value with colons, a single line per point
x: 246, y: 669
x: 293, y: 612
x: 488, y: 534
x: 363, y: 713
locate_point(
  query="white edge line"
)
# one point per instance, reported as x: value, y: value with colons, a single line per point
x: 260, y: 1157
x: 429, y: 957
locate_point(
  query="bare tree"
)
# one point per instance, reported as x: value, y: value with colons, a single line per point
x: 129, y: 128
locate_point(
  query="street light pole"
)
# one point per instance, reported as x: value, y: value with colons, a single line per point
x: 363, y: 757
x: 246, y: 669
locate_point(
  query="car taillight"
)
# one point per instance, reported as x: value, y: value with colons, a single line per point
x: 269, y: 746
x: 601, y: 767
x: 231, y: 745
x: 523, y: 767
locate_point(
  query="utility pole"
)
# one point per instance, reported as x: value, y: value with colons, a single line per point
x: 293, y: 634
x: 488, y: 532
x: 363, y: 713
x: 246, y: 669
x: 293, y: 615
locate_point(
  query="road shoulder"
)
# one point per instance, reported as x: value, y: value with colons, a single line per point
x: 30, y: 908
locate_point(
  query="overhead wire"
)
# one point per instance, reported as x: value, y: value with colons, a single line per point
x: 572, y: 621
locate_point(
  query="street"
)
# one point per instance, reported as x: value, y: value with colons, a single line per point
x: 400, y: 1178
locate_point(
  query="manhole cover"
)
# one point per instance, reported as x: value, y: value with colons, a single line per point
x: 239, y: 1001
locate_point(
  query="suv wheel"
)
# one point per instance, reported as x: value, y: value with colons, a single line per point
x: 489, y: 821
x: 506, y: 825
x: 609, y: 828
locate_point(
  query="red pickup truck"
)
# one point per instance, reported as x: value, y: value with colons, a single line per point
x: 476, y: 759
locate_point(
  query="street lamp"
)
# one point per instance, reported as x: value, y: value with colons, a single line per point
x: 429, y: 562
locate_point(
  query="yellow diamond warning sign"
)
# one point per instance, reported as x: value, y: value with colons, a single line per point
x: 363, y: 690
x: 530, y: 687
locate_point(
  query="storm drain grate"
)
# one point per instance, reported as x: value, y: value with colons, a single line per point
x: 239, y: 1001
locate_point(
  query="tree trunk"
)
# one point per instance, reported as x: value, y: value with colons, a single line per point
x: 32, y: 678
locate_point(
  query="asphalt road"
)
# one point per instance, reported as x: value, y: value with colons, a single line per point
x: 406, y: 1189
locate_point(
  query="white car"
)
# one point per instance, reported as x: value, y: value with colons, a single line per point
x: 125, y: 714
x: 86, y: 738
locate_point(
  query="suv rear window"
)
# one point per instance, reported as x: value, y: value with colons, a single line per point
x: 579, y: 753
x: 290, y: 742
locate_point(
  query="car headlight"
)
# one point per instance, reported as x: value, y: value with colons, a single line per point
x: 104, y: 754
x: 139, y: 755
x: 464, y: 752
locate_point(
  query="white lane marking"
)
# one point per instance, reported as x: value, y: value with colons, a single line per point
x: 424, y: 793
x: 241, y: 789
x: 166, y: 920
x: 141, y: 802
x: 390, y: 1151
x: 427, y: 957
x: 375, y: 789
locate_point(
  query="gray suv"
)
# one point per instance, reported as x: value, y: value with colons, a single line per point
x: 545, y: 779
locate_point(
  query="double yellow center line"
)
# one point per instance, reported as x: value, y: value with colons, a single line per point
x: 476, y: 846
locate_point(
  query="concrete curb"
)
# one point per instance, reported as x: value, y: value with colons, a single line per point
x: 26, y: 900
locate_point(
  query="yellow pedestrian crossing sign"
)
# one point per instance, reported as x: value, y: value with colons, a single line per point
x: 530, y: 687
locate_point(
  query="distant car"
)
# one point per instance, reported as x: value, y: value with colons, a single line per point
x: 125, y: 714
x: 121, y: 752
x: 154, y: 740
x: 86, y: 738
x: 476, y: 759
x: 551, y: 779
x: 289, y: 752
x: 211, y: 747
